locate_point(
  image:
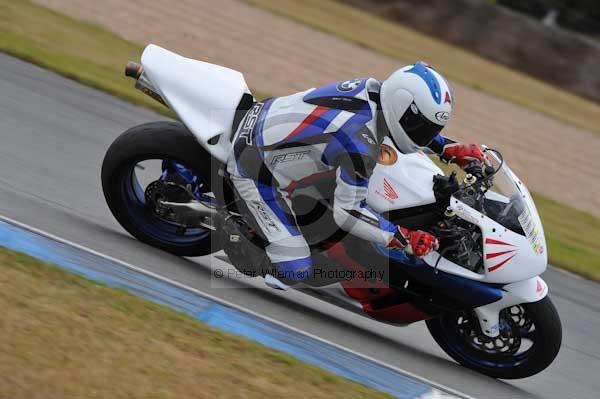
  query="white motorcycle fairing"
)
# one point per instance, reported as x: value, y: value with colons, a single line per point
x: 527, y: 291
x: 411, y: 178
x: 203, y: 95
x: 509, y: 258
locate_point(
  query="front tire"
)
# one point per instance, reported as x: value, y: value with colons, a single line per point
x: 461, y: 342
x: 155, y: 141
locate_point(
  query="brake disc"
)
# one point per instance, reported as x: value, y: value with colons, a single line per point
x: 507, y: 342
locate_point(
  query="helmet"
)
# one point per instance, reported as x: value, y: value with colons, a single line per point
x: 416, y: 103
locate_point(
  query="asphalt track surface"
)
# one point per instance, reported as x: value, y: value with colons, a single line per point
x: 53, y: 135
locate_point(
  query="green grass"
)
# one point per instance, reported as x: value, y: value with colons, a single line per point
x: 93, y: 56
x: 62, y: 336
x: 400, y: 42
x: 572, y: 236
x: 78, y: 50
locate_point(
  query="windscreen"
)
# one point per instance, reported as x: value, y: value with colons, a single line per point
x: 503, y: 201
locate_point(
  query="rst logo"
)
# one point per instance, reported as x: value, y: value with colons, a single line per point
x: 249, y: 122
x: 264, y: 218
x: 289, y: 157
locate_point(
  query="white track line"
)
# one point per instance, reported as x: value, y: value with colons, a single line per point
x: 230, y: 304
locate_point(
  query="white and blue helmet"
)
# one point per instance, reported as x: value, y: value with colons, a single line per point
x: 417, y: 103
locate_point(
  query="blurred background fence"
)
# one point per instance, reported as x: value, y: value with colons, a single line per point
x: 538, y: 37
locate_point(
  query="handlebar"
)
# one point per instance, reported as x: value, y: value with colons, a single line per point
x: 475, y: 168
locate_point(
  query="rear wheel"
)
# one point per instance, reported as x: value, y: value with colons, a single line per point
x: 131, y: 173
x: 529, y: 340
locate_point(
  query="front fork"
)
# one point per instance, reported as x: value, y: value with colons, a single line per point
x: 526, y: 291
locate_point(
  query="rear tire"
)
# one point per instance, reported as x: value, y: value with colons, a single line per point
x: 547, y: 338
x: 156, y: 140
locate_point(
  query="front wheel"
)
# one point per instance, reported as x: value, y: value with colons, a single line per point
x: 530, y: 338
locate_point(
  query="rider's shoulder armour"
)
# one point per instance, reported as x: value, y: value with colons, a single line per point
x: 349, y: 95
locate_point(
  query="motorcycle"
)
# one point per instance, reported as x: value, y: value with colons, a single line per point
x: 480, y: 293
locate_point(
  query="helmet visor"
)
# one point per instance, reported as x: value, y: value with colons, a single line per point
x: 418, y: 128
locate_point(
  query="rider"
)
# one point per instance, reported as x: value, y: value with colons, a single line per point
x: 289, y: 141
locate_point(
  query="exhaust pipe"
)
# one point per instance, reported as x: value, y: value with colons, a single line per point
x: 133, y: 70
x: 142, y: 83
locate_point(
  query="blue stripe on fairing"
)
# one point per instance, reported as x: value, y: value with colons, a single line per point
x: 216, y: 315
x: 296, y: 269
x: 421, y: 70
x: 475, y: 293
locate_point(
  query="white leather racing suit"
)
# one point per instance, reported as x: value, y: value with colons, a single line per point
x: 285, y: 142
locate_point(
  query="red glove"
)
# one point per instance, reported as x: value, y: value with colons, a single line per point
x: 416, y: 242
x: 463, y: 154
